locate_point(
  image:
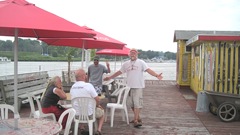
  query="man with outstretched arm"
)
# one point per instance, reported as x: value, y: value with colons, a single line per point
x: 134, y: 69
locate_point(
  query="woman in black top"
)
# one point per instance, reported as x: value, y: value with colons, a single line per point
x: 52, y: 95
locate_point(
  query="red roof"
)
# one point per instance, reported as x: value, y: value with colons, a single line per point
x: 199, y: 38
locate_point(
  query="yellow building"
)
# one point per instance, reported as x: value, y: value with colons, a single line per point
x: 208, y: 60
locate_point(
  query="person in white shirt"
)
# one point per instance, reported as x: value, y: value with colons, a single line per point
x: 82, y: 89
x: 134, y: 69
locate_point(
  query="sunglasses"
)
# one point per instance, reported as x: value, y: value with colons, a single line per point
x: 95, y: 60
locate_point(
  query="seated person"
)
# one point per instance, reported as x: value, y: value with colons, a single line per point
x: 54, y: 92
x: 82, y: 89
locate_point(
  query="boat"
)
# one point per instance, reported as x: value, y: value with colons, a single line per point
x: 4, y: 60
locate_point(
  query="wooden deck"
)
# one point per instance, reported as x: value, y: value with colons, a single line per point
x: 168, y: 111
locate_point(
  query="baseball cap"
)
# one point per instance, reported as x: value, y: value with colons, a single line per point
x: 96, y: 57
x: 134, y: 50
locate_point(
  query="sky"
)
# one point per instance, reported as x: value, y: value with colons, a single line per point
x: 146, y: 24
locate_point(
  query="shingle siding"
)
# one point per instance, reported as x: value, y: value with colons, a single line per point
x: 187, y: 34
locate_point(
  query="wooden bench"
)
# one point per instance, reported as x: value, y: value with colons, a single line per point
x: 35, y: 83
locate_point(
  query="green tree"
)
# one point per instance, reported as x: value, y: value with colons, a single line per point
x: 70, y: 53
x: 170, y: 55
x: 6, y: 45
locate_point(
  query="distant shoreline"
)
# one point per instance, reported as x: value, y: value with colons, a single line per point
x: 56, y: 68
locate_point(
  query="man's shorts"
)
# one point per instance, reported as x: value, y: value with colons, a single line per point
x: 135, y: 98
x: 99, y: 112
x: 98, y: 89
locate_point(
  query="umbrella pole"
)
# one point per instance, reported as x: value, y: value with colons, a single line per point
x: 15, y: 77
x: 121, y: 60
x: 115, y: 63
x: 83, y: 53
x: 87, y: 55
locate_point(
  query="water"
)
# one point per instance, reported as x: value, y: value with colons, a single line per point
x: 56, y: 68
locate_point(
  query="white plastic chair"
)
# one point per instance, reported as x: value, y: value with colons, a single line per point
x: 82, y: 105
x: 4, y: 109
x: 71, y: 113
x: 121, y: 104
x: 115, y: 93
x: 120, y: 85
x: 37, y: 113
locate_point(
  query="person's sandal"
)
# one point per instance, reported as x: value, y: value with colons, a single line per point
x: 98, y: 133
x: 83, y: 132
x: 139, y: 120
x: 137, y: 124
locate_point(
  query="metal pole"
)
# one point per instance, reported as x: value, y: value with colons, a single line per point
x: 15, y: 77
x: 83, y: 53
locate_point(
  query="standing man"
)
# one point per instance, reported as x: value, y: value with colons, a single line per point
x: 134, y: 69
x: 82, y: 89
x: 95, y: 73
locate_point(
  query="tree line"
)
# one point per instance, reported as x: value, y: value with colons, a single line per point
x: 39, y: 47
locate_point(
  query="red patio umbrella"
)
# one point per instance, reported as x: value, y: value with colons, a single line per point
x: 100, y: 41
x: 32, y: 21
x: 114, y: 52
x: 24, y: 19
